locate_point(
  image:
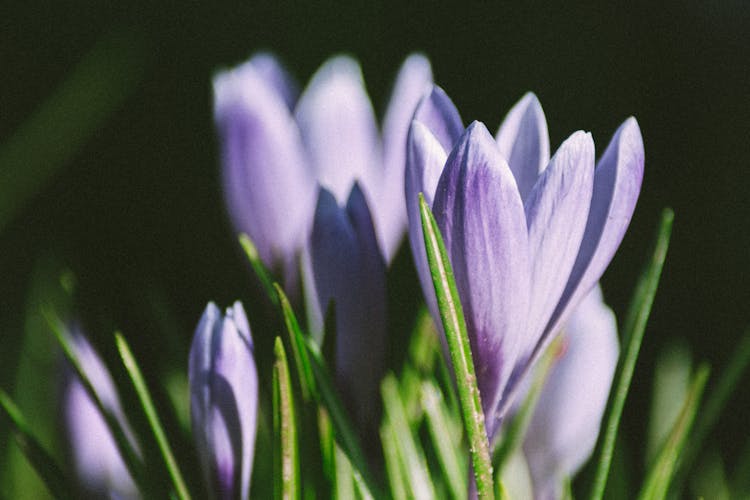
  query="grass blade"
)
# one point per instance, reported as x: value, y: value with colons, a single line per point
x: 446, y: 449
x: 454, y: 326
x: 314, y: 374
x: 287, y: 481
x: 635, y: 326
x: 413, y: 460
x: 259, y: 268
x: 153, y: 418
x: 53, y: 477
x: 659, y: 478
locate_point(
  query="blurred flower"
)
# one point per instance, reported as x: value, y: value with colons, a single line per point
x: 97, y: 460
x: 277, y: 149
x: 527, y: 236
x: 348, y: 269
x: 566, y: 421
x: 224, y: 399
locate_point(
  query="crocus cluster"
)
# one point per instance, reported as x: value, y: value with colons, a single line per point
x: 527, y: 235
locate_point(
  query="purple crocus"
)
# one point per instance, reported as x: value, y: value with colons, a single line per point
x: 276, y: 149
x: 527, y: 236
x: 224, y: 399
x: 97, y: 459
x: 349, y: 270
x: 566, y: 421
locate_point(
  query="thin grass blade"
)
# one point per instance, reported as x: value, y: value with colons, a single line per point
x: 263, y: 274
x: 287, y: 480
x: 297, y: 341
x: 454, y: 326
x: 49, y: 471
x: 659, y: 477
x: 144, y: 396
x: 635, y: 326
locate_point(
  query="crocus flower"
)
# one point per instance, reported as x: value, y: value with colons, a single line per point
x: 224, y: 399
x: 277, y: 149
x: 527, y: 236
x: 349, y: 270
x: 97, y: 460
x: 563, y: 431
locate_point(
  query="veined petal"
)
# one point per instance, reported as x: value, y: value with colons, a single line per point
x: 481, y: 217
x: 338, y: 129
x: 224, y: 399
x: 268, y: 188
x: 276, y: 76
x: 617, y: 184
x: 565, y: 425
x: 438, y: 113
x: 349, y: 270
x: 556, y: 214
x: 524, y: 142
x: 425, y: 163
x: 414, y: 79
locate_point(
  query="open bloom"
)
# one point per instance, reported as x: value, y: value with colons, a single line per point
x: 527, y: 236
x: 97, y: 459
x: 224, y: 399
x: 349, y: 270
x: 563, y: 431
x: 276, y: 149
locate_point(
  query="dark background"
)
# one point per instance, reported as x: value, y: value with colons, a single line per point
x: 136, y: 211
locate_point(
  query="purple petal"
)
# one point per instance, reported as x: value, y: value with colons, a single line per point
x: 97, y: 459
x: 524, y: 142
x: 224, y: 399
x: 556, y: 213
x: 414, y: 79
x: 424, y: 165
x: 338, y: 129
x: 349, y: 270
x: 617, y: 183
x: 440, y: 116
x: 273, y: 72
x: 481, y: 217
x: 268, y: 188
x: 565, y: 425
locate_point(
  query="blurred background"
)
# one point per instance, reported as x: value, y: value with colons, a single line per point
x: 109, y: 164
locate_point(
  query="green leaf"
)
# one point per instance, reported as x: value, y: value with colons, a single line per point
x: 715, y: 402
x: 129, y: 455
x: 52, y: 135
x: 54, y: 479
x: 411, y: 454
x: 263, y: 274
x: 659, y: 477
x: 287, y: 481
x: 314, y: 374
x: 451, y: 314
x: 297, y: 338
x: 448, y: 451
x: 393, y: 465
x: 144, y: 396
x: 635, y: 326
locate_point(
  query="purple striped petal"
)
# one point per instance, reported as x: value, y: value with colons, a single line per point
x: 224, y: 399
x: 338, y: 129
x: 565, y: 425
x: 276, y: 77
x: 348, y: 269
x: 556, y: 213
x: 268, y: 188
x: 425, y: 164
x: 414, y: 79
x: 524, y: 142
x: 481, y: 217
x: 440, y: 116
x: 617, y: 184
